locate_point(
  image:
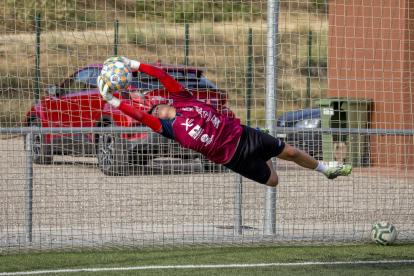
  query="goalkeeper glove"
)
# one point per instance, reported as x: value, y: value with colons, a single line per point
x: 133, y: 64
x: 106, y: 95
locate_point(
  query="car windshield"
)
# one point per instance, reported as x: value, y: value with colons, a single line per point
x: 189, y: 81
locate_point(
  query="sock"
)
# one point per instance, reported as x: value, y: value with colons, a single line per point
x: 322, y: 167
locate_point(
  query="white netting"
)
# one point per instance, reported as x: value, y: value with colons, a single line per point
x: 161, y: 195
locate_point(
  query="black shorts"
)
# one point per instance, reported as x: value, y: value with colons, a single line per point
x: 254, y: 150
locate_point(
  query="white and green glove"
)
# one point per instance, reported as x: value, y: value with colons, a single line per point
x: 106, y: 94
x: 133, y: 64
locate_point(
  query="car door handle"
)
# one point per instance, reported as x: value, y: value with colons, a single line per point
x: 73, y: 101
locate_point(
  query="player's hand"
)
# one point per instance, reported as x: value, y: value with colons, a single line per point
x: 133, y: 64
x: 106, y: 94
x: 115, y: 59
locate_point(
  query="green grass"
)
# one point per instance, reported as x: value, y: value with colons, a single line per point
x: 371, y: 252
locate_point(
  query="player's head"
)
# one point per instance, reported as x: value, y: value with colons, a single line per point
x: 162, y: 111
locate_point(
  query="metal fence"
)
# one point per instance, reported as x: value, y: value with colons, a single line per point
x: 70, y: 205
x: 269, y: 59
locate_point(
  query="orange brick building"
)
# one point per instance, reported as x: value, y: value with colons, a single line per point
x: 371, y: 55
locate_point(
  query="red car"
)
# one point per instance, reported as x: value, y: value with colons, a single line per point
x: 77, y: 103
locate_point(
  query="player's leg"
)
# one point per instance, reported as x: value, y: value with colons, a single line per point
x: 298, y: 156
x: 305, y: 160
x: 290, y: 153
x: 274, y: 178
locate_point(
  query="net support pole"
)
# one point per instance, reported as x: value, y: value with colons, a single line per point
x: 116, y: 38
x: 238, y: 229
x: 239, y: 179
x: 271, y: 104
x: 28, y: 218
x: 249, y: 75
x: 186, y: 46
x: 37, y: 57
x: 309, y: 68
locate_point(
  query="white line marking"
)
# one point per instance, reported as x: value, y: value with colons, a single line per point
x: 197, y: 266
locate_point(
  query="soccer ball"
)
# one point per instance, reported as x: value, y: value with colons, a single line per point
x: 116, y: 75
x: 383, y: 233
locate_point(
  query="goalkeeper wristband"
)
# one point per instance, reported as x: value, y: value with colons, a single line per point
x: 114, y: 102
x: 133, y: 64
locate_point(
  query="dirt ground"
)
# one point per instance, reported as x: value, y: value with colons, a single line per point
x: 74, y: 201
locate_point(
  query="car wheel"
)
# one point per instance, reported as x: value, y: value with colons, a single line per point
x: 113, y: 161
x: 41, y: 152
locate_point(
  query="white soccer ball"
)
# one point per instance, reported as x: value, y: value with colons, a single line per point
x: 116, y: 75
x: 383, y: 233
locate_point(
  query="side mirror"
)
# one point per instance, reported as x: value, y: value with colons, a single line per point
x: 52, y: 90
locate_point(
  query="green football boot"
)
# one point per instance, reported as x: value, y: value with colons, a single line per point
x: 333, y: 173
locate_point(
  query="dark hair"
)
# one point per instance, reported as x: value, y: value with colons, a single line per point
x: 154, y: 106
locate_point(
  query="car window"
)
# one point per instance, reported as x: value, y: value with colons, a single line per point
x: 191, y: 81
x: 174, y: 74
x: 92, y: 82
x: 81, y: 81
x: 200, y: 83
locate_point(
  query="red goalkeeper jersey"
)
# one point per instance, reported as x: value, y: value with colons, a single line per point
x: 197, y: 126
x: 203, y: 129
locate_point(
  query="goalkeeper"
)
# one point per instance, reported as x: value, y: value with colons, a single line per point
x: 223, y: 140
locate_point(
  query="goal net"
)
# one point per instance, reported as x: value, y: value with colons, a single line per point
x: 77, y: 175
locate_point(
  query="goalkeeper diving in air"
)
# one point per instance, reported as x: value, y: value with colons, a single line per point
x: 223, y: 140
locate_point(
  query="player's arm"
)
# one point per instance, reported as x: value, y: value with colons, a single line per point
x: 145, y: 118
x: 170, y: 84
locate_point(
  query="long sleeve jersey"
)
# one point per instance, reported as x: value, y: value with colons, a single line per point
x: 197, y: 125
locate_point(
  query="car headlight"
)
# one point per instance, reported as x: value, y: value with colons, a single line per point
x: 308, y: 123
